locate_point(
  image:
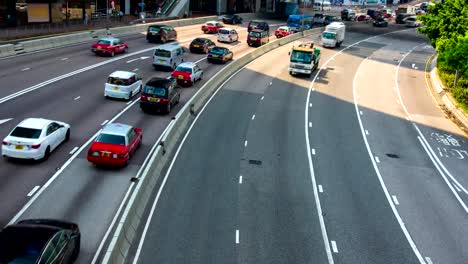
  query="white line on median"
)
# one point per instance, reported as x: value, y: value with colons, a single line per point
x: 26, y: 69
x: 237, y: 236
x: 395, y: 200
x: 76, y: 98
x: 320, y: 188
x: 253, y: 117
x: 245, y: 143
x: 74, y: 150
x: 428, y: 260
x: 105, y: 122
x: 377, y: 159
x: 240, y: 179
x: 34, y: 190
x: 334, y: 247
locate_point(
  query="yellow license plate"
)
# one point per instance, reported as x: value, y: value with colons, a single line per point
x: 153, y: 33
x: 162, y: 61
x: 19, y: 147
x: 196, y: 46
x: 116, y: 88
x: 105, y: 154
x: 215, y: 56
x: 180, y: 77
x: 253, y: 39
x: 99, y: 48
x: 154, y: 100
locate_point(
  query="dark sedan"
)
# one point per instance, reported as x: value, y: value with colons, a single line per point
x: 161, y: 33
x: 380, y: 22
x: 220, y: 54
x: 40, y: 241
x: 201, y: 45
x: 232, y: 19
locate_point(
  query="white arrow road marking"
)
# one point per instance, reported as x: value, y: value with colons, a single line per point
x: 5, y: 120
x: 144, y: 58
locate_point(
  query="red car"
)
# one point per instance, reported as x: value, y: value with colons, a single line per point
x: 109, y: 46
x: 187, y: 73
x: 387, y: 15
x: 363, y: 18
x: 283, y: 32
x: 114, y: 145
x: 211, y: 27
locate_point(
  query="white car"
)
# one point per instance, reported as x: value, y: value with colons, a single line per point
x: 35, y: 138
x: 412, y: 22
x: 227, y: 35
x: 123, y: 85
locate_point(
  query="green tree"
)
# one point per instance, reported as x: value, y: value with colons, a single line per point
x: 455, y: 55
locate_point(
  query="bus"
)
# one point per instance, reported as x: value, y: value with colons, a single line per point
x: 295, y: 22
x: 322, y: 6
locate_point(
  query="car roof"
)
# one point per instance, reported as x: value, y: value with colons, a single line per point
x: 36, y: 123
x: 226, y: 28
x: 211, y: 21
x: 257, y: 30
x: 170, y: 46
x: 283, y: 27
x: 122, y: 74
x: 158, y: 81
x: 109, y: 38
x: 116, y: 129
x: 187, y: 64
x: 257, y: 21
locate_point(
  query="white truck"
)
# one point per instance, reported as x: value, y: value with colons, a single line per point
x: 333, y: 35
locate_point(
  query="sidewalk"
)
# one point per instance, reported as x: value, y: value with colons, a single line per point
x: 443, y: 98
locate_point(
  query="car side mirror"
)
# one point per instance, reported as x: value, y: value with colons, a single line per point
x: 138, y: 130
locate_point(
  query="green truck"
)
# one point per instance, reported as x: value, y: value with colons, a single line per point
x: 304, y: 59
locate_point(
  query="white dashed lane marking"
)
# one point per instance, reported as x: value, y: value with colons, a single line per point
x: 105, y: 122
x: 34, y: 190
x: 76, y: 98
x: 26, y: 69
x: 320, y: 188
x: 237, y: 236
x: 395, y: 200
x: 334, y: 247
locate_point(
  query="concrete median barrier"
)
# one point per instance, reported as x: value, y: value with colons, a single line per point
x: 132, y: 218
x: 7, y: 50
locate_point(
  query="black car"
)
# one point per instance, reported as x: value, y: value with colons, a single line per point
x: 380, y: 22
x: 201, y: 45
x: 232, y: 19
x: 400, y: 18
x: 374, y: 14
x: 160, y: 94
x: 328, y: 19
x: 161, y: 33
x: 220, y: 54
x: 261, y: 25
x: 40, y: 241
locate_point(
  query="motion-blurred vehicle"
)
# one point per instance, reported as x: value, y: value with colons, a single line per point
x: 334, y: 35
x: 401, y: 18
x: 329, y: 19
x: 348, y: 14
x: 40, y: 241
x: 211, y: 27
x: 260, y: 25
x: 109, y: 46
x: 161, y: 33
x: 299, y: 23
x: 228, y: 35
x: 201, y: 45
x: 380, y: 22
x: 304, y: 59
x: 374, y: 14
x: 123, y: 85
x: 283, y: 32
x: 168, y: 55
x: 35, y: 138
x: 420, y: 11
x: 386, y: 13
x: 257, y: 37
x: 363, y: 18
x: 319, y: 19
x: 160, y: 94
x: 220, y: 54
x: 187, y: 73
x: 232, y: 19
x: 412, y: 21
x: 115, y: 145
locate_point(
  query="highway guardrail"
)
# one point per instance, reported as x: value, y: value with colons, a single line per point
x: 128, y: 224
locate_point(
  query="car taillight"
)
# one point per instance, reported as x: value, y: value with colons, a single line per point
x: 144, y: 98
x: 36, y: 146
x: 163, y: 100
x: 5, y: 143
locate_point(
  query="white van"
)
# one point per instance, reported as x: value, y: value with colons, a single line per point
x: 168, y: 55
x: 123, y: 85
x: 322, y: 6
x: 227, y: 35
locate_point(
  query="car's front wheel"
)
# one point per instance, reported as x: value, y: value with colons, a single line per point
x: 46, y: 153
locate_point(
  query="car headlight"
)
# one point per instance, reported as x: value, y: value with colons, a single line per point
x: 308, y: 67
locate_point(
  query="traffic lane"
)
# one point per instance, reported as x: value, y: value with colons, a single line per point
x: 278, y: 220
x: 446, y: 139
x: 429, y: 210
x: 356, y: 212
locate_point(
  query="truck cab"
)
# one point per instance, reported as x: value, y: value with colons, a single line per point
x: 304, y: 59
x: 333, y: 35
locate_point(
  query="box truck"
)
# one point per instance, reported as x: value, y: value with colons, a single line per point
x: 333, y: 35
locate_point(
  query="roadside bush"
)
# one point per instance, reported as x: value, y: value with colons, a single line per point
x: 460, y: 93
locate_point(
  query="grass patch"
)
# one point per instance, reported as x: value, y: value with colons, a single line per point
x: 460, y: 93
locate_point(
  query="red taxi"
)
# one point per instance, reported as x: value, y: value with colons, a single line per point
x: 114, y: 145
x: 283, y: 32
x: 211, y: 27
x: 187, y: 73
x: 109, y: 46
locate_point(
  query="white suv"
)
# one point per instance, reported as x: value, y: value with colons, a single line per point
x: 227, y: 35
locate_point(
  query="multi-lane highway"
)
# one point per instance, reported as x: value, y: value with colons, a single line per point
x: 67, y: 84
x: 357, y: 165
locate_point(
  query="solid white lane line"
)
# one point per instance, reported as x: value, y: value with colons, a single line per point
x: 253, y: 117
x: 377, y: 159
x: 428, y: 260
x: 310, y: 124
x: 64, y: 59
x: 76, y: 98
x: 334, y: 246
x: 320, y: 188
x: 26, y: 69
x: 395, y: 200
x: 105, y: 122
x: 2, y: 121
x: 31, y: 193
x: 245, y: 143
x: 129, y: 102
x: 379, y: 176
x: 74, y: 150
x: 262, y: 98
x: 240, y: 179
x: 367, y: 132
x: 237, y: 236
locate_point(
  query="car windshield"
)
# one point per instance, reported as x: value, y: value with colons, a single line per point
x: 218, y: 50
x: 24, y: 132
x: 154, y: 28
x: 184, y: 69
x: 118, y: 81
x: 104, y: 42
x: 329, y: 35
x: 283, y: 28
x: 162, y: 53
x: 254, y: 34
x: 111, y: 139
x: 223, y: 31
x: 156, y: 91
x: 301, y: 56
